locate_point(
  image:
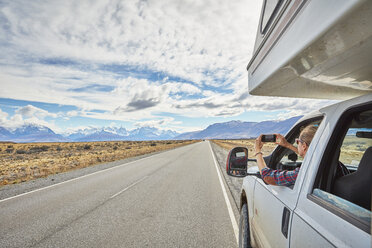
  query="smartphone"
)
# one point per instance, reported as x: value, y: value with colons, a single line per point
x: 268, y: 138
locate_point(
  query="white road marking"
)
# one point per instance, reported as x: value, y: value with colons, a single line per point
x: 228, y: 204
x: 130, y: 186
x: 115, y: 167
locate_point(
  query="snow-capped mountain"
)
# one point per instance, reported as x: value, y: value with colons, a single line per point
x: 38, y: 133
x: 226, y: 130
x: 99, y: 136
x: 81, y: 133
x: 239, y: 129
x: 30, y: 133
x: 152, y: 134
x: 4, y: 133
x: 120, y: 133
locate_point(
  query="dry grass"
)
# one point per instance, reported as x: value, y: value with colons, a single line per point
x: 249, y: 143
x: 27, y: 161
x: 352, y: 150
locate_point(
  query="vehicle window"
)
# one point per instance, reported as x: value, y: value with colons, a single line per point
x: 343, y: 183
x: 288, y: 160
x: 356, y: 142
x: 270, y: 10
x: 290, y: 157
x: 342, y: 204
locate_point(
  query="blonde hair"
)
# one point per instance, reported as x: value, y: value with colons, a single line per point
x: 307, y: 134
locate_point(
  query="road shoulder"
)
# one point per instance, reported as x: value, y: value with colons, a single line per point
x: 232, y: 184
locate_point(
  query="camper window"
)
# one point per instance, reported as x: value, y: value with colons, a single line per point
x: 269, y: 11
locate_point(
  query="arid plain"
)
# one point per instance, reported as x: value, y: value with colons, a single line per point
x: 20, y: 162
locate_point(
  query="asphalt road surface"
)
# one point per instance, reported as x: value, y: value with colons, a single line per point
x: 171, y: 199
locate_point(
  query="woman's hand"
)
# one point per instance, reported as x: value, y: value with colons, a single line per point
x: 258, y: 144
x: 280, y: 140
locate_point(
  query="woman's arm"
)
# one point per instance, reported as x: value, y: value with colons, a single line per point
x: 280, y: 140
x: 273, y: 177
x: 258, y: 147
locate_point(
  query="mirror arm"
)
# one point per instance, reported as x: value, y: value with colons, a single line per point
x: 254, y: 174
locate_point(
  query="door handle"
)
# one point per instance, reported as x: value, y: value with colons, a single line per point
x: 285, y: 221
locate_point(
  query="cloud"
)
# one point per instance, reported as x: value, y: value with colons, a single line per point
x: 185, y: 88
x: 131, y: 60
x: 199, y: 42
x: 94, y: 88
x: 163, y: 123
x: 28, y: 115
x: 137, y: 104
x: 72, y: 113
x: 203, y: 103
x: 30, y: 111
x: 3, y: 117
x: 142, y: 104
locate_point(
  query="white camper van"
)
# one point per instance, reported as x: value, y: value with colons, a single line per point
x: 313, y: 49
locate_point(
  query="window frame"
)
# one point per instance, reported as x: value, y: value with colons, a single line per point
x: 345, y: 215
x: 271, y: 19
x: 273, y: 160
x: 335, y: 142
x: 352, y: 165
x: 279, y: 150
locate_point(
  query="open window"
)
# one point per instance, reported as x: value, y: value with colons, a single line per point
x: 344, y: 180
x: 286, y: 159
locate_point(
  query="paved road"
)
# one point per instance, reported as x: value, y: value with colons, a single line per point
x: 172, y: 199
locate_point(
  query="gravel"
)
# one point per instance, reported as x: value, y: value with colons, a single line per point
x: 234, y: 183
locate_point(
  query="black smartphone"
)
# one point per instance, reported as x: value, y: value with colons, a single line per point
x: 268, y: 138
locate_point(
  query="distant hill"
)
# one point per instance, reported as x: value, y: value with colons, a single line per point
x: 225, y: 130
x: 30, y: 133
x: 239, y: 129
x: 38, y: 133
x: 115, y: 133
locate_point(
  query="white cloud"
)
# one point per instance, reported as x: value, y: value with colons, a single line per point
x: 182, y: 38
x: 72, y: 113
x: 163, y: 123
x: 28, y: 115
x: 30, y: 111
x: 56, y: 51
x: 186, y: 88
x: 3, y: 117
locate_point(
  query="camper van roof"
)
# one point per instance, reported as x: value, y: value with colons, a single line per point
x: 315, y: 50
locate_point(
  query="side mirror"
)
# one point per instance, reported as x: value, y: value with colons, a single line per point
x: 293, y: 157
x: 236, y: 164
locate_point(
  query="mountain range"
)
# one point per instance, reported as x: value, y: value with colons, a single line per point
x: 225, y: 130
x: 31, y: 133
x: 239, y: 129
x: 120, y: 133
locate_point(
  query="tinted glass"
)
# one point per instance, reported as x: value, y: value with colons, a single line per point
x: 270, y: 7
x: 353, y: 147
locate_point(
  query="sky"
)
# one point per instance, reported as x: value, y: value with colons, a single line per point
x: 177, y: 65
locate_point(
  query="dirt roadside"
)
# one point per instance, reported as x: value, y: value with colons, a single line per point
x: 10, y: 190
x: 221, y: 149
x: 234, y: 183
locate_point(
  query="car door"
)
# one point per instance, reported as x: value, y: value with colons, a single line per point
x: 331, y: 211
x: 274, y: 205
